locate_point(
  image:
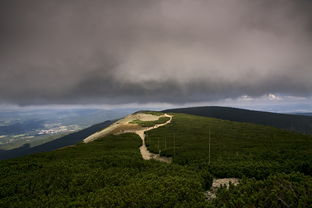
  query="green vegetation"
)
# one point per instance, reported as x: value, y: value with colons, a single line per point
x: 105, y: 173
x: 267, y: 156
x: 276, y: 167
x: 237, y: 149
x: 298, y: 123
x: 155, y: 113
x: 161, y: 120
x: 281, y: 190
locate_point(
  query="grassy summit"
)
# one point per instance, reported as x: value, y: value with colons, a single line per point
x: 110, y: 172
x: 161, y: 120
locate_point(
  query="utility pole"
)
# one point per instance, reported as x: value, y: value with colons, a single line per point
x: 165, y: 143
x: 209, y: 145
x: 158, y: 146
x: 174, y: 145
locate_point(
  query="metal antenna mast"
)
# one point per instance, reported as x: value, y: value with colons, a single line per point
x: 174, y: 145
x: 209, y: 145
x: 158, y: 146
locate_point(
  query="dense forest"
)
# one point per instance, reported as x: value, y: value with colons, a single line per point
x: 105, y: 173
x: 237, y: 149
x: 269, y: 159
x: 274, y: 166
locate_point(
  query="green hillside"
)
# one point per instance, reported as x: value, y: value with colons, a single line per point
x: 275, y: 166
x: 237, y: 149
x: 298, y: 123
x: 105, y: 173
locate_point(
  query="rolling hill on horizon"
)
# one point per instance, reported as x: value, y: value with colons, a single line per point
x: 298, y: 123
x: 304, y: 114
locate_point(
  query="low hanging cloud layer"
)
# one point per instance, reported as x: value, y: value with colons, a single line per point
x: 174, y: 51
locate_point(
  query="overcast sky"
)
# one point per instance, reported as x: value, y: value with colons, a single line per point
x: 116, y: 52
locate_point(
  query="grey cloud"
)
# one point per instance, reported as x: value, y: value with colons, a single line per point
x: 176, y: 51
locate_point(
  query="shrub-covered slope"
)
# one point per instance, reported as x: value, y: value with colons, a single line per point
x: 105, y: 173
x: 299, y: 123
x: 275, y: 166
x: 237, y: 149
x: 268, y: 158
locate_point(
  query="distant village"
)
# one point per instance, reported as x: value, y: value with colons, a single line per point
x: 59, y: 129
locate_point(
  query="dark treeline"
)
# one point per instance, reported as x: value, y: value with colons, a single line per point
x: 299, y: 123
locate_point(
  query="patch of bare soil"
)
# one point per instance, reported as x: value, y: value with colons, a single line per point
x: 125, y: 126
x: 217, y: 183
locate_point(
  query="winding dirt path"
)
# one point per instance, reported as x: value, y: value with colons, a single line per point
x: 147, y: 155
x: 125, y: 126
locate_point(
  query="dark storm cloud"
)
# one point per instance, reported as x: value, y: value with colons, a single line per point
x: 118, y: 51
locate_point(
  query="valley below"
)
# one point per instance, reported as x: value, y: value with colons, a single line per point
x: 36, y: 127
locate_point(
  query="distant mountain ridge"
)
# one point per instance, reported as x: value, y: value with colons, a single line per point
x: 298, y: 123
x: 304, y: 114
